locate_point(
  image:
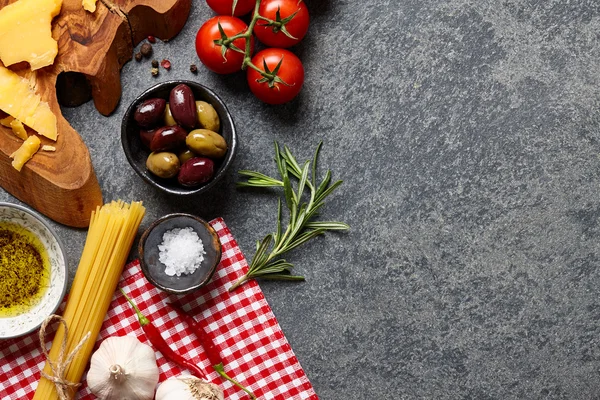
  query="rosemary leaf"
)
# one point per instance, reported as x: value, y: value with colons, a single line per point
x: 327, y: 191
x: 324, y: 184
x: 256, y: 183
x: 290, y: 196
x: 260, y: 176
x: 314, y: 164
x: 305, y: 237
x: 278, y: 233
x: 291, y: 161
x: 261, y: 251
x: 303, y: 179
x: 328, y: 225
x: 283, y: 277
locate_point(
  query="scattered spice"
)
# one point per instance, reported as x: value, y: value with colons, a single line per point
x: 154, y: 63
x: 154, y: 71
x: 151, y: 39
x: 166, y: 64
x: 181, y: 251
x: 24, y: 272
x: 146, y: 50
x: 193, y: 69
x: 138, y: 56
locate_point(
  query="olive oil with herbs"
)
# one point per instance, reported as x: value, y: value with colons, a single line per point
x: 24, y: 270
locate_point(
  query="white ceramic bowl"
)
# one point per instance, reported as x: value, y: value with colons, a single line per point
x: 30, y: 320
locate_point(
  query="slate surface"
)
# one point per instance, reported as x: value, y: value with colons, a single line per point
x: 467, y: 136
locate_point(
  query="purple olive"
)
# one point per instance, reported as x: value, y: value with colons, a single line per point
x: 150, y: 112
x: 146, y: 136
x: 196, y: 171
x: 183, y: 105
x: 168, y: 138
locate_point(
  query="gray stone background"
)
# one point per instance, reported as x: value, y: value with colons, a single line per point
x: 466, y: 133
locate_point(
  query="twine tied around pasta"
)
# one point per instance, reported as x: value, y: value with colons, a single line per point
x: 59, y: 366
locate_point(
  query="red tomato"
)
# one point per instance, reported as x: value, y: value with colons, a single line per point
x: 291, y: 72
x: 297, y: 26
x: 209, y: 52
x: 224, y: 7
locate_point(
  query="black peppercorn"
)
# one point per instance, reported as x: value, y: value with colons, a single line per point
x: 193, y: 69
x: 146, y: 50
x: 138, y: 56
x: 154, y: 64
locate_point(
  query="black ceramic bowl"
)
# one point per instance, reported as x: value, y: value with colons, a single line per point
x: 149, y: 252
x: 137, y: 154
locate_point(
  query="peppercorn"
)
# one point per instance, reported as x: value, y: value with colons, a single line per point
x: 146, y: 50
x: 151, y: 39
x: 154, y: 71
x: 138, y: 56
x: 193, y: 69
x: 166, y: 64
x: 154, y: 64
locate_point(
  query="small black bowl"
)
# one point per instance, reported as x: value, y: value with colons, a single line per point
x: 154, y: 270
x: 137, y: 154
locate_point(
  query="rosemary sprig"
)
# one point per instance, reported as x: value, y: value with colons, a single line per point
x: 302, y: 209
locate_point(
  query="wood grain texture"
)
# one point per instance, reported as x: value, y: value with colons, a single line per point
x: 62, y: 184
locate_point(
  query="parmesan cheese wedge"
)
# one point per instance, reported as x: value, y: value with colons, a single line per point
x: 25, y: 152
x: 26, y: 32
x: 19, y: 100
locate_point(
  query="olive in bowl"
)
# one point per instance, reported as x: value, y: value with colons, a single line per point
x: 157, y: 148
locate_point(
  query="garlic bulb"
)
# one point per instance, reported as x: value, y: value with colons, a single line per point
x: 188, y: 387
x: 123, y: 368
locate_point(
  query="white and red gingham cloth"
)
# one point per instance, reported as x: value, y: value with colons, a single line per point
x: 252, y: 346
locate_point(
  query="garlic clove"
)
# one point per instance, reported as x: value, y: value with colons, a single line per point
x: 123, y: 368
x: 187, y: 387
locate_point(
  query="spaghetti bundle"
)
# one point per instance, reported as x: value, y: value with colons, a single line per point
x: 113, y: 228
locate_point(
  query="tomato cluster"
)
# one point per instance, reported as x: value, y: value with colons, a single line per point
x: 225, y: 44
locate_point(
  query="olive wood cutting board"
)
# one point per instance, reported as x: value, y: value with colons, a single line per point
x: 92, y: 48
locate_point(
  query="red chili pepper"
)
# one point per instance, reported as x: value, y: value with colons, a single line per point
x: 154, y: 336
x: 212, y: 352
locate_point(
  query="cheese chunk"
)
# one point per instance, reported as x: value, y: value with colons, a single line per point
x: 18, y: 129
x: 6, y: 121
x: 26, y: 32
x: 89, y: 5
x: 25, y: 152
x: 20, y: 101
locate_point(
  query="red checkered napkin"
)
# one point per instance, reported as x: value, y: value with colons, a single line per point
x: 253, y: 348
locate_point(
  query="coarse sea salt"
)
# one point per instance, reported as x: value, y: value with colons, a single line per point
x: 181, y: 251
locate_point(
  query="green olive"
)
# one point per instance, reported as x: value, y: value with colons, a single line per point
x: 163, y: 164
x: 168, y: 117
x: 186, y: 155
x: 206, y: 143
x: 207, y: 116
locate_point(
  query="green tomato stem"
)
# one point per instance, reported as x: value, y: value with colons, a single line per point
x: 247, y: 62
